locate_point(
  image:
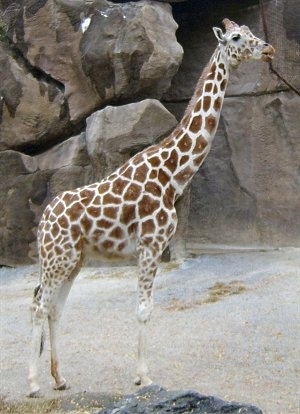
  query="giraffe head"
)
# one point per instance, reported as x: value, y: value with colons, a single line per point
x: 239, y: 44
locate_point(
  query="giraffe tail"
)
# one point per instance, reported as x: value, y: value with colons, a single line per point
x: 43, y: 336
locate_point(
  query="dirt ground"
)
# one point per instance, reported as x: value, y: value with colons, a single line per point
x: 224, y: 325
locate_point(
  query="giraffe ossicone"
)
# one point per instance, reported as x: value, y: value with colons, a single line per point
x: 132, y: 210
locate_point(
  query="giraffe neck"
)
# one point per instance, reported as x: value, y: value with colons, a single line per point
x: 191, y: 141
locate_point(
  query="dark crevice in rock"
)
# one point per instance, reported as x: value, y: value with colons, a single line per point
x: 258, y: 93
x: 44, y: 145
x: 36, y: 72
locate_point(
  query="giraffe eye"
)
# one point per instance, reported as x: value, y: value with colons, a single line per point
x: 236, y: 38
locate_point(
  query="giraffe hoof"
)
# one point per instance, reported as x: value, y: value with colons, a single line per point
x: 34, y: 394
x: 61, y: 387
x: 142, y: 381
x: 137, y: 381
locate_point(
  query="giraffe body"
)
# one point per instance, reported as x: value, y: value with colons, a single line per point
x: 131, y: 212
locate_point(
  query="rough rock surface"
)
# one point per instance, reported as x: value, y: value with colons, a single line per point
x: 154, y: 400
x: 81, y: 56
x: 248, y: 190
x: 114, y: 134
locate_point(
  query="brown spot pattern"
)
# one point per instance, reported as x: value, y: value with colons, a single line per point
x: 223, y: 85
x: 116, y: 233
x: 208, y: 86
x: 55, y: 230
x: 153, y: 188
x: 127, y: 214
x: 217, y: 104
x: 206, y: 103
x: 161, y: 217
x: 185, y: 143
x: 163, y: 178
x: 118, y: 186
x: 183, y: 176
x: 148, y: 227
x: 75, y: 211
x: 132, y: 192
x: 111, y: 199
x: 86, y: 196
x: 63, y: 222
x: 196, y: 123
x: 168, y: 198
x: 147, y: 206
x: 58, y: 209
x: 154, y: 161
x: 86, y: 223
x: 210, y: 123
x: 107, y: 244
x: 141, y: 173
x: 128, y: 172
x: 184, y: 159
x: 104, y: 224
x: 198, y: 160
x: 103, y: 188
x: 201, y: 143
x: 93, y: 211
x: 213, y: 68
x: 110, y: 212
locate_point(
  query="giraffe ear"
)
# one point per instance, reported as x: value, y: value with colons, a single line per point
x: 219, y: 35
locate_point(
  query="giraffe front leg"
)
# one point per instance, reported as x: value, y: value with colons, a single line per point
x: 143, y: 315
x: 148, y: 263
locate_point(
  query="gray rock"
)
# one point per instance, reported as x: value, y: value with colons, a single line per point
x: 116, y: 133
x: 66, y: 59
x: 156, y: 400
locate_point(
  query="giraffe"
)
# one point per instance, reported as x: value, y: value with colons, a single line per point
x: 131, y: 212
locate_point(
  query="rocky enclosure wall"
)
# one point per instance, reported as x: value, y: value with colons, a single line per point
x: 80, y: 88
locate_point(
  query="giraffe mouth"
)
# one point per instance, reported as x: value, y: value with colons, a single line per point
x: 267, y: 54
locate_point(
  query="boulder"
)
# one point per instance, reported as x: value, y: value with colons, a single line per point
x: 64, y: 59
x: 30, y: 109
x: 23, y: 184
x: 114, y: 134
x: 156, y: 400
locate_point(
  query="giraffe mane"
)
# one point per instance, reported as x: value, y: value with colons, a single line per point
x: 199, y: 86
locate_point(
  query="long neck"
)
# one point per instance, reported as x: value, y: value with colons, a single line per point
x: 192, y: 138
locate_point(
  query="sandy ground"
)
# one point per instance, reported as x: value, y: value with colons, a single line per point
x: 224, y: 325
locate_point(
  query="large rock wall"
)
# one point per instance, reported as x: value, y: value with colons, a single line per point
x: 63, y: 61
x: 248, y: 190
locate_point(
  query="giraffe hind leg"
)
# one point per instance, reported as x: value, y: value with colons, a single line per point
x: 48, y: 306
x: 53, y: 320
x: 38, y: 319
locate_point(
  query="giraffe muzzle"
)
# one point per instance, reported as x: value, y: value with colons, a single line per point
x: 267, y: 53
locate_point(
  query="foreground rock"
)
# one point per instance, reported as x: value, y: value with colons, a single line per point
x: 153, y: 399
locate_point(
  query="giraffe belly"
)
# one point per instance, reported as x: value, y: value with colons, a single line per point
x: 109, y: 248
